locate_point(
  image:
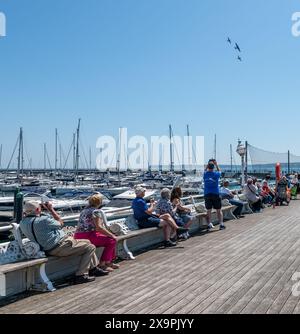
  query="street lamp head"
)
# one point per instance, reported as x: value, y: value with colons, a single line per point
x: 241, y: 149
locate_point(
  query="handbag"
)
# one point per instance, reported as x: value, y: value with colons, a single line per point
x: 118, y: 228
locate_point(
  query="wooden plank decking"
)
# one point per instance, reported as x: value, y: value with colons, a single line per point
x: 245, y: 269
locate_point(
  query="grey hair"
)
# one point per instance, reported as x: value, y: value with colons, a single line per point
x: 165, y: 193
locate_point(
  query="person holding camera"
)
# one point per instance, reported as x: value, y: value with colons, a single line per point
x: 146, y: 218
x: 46, y: 230
x: 212, y: 197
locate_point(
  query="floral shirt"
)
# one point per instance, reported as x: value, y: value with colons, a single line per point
x: 86, y: 220
x: 164, y: 206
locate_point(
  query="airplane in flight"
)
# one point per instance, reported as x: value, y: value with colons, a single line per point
x: 237, y: 47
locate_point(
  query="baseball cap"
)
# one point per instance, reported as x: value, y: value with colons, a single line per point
x: 139, y: 190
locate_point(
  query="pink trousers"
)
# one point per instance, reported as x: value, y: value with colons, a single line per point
x: 100, y: 240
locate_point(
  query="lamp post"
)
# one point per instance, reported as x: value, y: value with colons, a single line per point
x: 241, y: 151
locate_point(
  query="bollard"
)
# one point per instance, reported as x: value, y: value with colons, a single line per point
x: 19, y: 207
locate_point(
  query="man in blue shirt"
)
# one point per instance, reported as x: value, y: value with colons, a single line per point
x: 146, y: 218
x: 212, y: 193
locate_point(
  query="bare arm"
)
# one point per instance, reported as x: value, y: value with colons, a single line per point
x: 151, y: 208
x: 217, y: 167
x: 55, y: 215
x: 101, y: 229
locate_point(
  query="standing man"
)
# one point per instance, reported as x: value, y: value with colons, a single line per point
x: 212, y: 193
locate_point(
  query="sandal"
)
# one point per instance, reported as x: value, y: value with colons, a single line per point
x: 107, y: 268
x: 113, y: 266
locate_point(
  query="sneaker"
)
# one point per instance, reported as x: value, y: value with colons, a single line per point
x: 169, y: 243
x: 174, y: 239
x: 222, y: 227
x: 97, y: 272
x: 83, y: 279
x: 182, y: 230
x: 186, y: 236
x: 210, y: 227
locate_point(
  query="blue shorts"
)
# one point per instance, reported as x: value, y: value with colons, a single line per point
x: 186, y: 218
x: 152, y: 221
x: 179, y: 221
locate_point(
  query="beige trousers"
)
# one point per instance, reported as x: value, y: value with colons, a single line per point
x: 82, y: 248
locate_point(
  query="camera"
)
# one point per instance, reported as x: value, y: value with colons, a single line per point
x: 45, y: 200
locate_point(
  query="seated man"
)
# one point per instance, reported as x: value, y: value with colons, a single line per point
x: 226, y: 193
x: 146, y: 218
x: 47, y: 231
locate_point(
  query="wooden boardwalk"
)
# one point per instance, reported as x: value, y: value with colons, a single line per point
x: 247, y: 268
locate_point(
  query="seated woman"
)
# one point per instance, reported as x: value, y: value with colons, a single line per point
x: 183, y: 212
x: 164, y: 206
x: 146, y: 218
x: 266, y: 194
x: 90, y: 227
x: 251, y: 193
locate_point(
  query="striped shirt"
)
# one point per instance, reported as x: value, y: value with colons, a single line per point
x: 47, y: 230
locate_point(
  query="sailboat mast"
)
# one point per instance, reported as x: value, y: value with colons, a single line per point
x: 20, y: 156
x: 231, y: 159
x: 119, y: 155
x: 45, y: 157
x: 215, y: 148
x: 90, y: 158
x: 171, y: 149
x: 1, y: 156
x: 77, y: 148
x: 189, y: 147
x: 74, y: 151
x: 56, y: 141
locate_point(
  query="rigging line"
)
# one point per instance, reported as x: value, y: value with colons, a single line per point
x: 61, y: 148
x: 68, y: 156
x: 84, y: 155
x: 14, y: 151
x: 26, y: 152
x: 47, y: 155
x: 174, y: 145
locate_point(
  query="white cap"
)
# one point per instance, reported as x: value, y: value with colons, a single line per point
x: 31, y: 207
x: 139, y: 190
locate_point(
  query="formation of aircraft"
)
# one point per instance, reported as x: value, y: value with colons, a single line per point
x: 236, y: 47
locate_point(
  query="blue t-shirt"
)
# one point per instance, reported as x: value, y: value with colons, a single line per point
x: 140, y: 207
x: 211, y: 183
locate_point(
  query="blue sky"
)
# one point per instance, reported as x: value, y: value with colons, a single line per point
x: 145, y: 64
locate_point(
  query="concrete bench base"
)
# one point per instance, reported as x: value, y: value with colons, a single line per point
x: 22, y: 276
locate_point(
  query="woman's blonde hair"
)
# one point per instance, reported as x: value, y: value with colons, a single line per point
x: 95, y: 200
